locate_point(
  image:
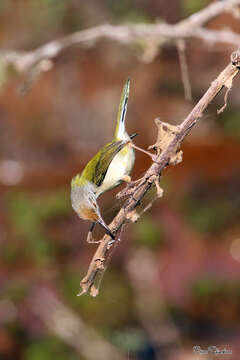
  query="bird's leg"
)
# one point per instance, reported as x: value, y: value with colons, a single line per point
x: 108, y: 231
x: 90, y: 239
x: 152, y: 156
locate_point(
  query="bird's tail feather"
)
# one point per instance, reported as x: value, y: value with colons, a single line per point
x: 120, y: 127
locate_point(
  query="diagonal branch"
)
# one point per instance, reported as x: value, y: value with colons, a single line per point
x: 168, y: 143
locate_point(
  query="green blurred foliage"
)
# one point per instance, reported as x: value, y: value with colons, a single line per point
x: 43, y: 13
x: 210, y: 209
x: 126, y: 10
x: 5, y: 6
x: 229, y: 123
x: 10, y: 253
x: 129, y: 339
x: 209, y: 216
x: 170, y: 86
x: 29, y: 213
x: 49, y: 348
x: 3, y: 74
x: 148, y: 232
x: 191, y: 6
x: 115, y: 293
x: 207, y: 287
x: 16, y: 290
x: 43, y: 17
x: 70, y: 286
x: 7, y: 72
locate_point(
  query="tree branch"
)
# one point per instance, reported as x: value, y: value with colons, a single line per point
x: 167, y: 145
x: 162, y: 33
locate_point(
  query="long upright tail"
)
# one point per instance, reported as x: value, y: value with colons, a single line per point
x: 120, y: 131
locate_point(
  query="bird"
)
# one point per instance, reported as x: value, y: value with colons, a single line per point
x: 107, y: 169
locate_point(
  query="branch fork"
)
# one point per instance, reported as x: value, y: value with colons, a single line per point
x: 169, y: 139
x: 166, y: 132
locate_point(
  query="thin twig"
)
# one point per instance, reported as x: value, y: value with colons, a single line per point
x: 166, y: 155
x: 181, y: 46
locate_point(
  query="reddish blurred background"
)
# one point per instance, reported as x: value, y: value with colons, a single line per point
x: 174, y: 280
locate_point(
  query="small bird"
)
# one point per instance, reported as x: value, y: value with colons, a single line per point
x: 106, y: 170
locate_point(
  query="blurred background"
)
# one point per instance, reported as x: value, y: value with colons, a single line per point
x: 174, y: 280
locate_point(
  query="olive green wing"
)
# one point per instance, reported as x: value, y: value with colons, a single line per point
x: 96, y: 169
x: 107, y: 153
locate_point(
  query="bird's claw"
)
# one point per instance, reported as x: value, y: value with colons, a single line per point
x: 111, y: 242
x: 91, y: 240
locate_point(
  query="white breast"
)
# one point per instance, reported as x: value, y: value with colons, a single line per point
x: 120, y: 166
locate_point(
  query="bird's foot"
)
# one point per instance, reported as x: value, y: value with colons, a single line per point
x: 111, y: 242
x: 127, y: 179
x: 90, y: 239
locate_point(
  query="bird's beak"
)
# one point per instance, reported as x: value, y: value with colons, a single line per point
x: 108, y: 231
x: 133, y: 135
